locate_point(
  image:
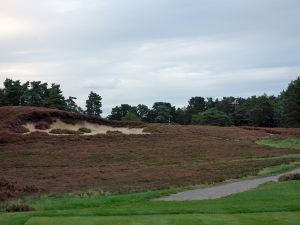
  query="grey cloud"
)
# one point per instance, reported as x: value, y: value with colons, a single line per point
x: 152, y: 50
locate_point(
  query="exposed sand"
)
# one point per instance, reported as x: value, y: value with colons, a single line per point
x: 95, y: 128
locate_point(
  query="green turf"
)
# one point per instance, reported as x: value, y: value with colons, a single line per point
x: 279, y: 169
x: 280, y: 198
x: 291, y: 142
x: 183, y: 219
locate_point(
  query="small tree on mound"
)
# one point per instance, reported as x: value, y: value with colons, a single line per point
x: 211, y: 117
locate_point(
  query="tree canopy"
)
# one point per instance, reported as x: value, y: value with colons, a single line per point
x: 291, y: 104
x: 38, y: 94
x: 93, y: 104
x: 261, y: 111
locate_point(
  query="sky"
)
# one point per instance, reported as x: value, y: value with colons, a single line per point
x: 144, y: 51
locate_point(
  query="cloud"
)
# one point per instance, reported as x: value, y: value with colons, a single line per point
x: 141, y: 51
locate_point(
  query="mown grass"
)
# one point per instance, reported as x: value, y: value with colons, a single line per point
x: 282, y: 198
x: 186, y: 219
x: 290, y: 143
x: 278, y: 169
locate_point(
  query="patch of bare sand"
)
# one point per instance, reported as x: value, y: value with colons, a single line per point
x: 95, y: 128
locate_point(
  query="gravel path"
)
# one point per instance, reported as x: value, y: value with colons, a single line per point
x: 223, y: 189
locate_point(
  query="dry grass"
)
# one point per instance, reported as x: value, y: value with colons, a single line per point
x: 171, y: 156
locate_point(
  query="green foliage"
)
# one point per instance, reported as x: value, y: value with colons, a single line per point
x: 143, y: 112
x: 291, y: 142
x: 227, y: 105
x: 71, y: 105
x: 211, y: 117
x: 163, y: 112
x: 291, y: 104
x: 13, y: 91
x: 182, y: 116
x: 54, y: 98
x: 2, y: 96
x: 131, y: 116
x: 118, y: 112
x: 36, y: 94
x: 196, y: 105
x: 93, y: 104
x: 256, y: 111
x: 260, y: 111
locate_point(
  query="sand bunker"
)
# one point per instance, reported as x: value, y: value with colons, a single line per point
x: 95, y: 128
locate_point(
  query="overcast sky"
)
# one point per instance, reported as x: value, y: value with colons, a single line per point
x: 142, y: 51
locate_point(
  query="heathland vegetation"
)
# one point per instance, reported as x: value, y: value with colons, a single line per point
x: 260, y: 111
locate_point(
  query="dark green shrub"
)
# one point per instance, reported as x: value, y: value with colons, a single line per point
x: 42, y: 125
x: 84, y: 130
x: 19, y: 208
x: 211, y: 117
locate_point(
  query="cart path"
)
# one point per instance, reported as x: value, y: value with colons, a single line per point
x: 222, y: 190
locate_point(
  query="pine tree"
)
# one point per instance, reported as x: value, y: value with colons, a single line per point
x: 291, y: 104
x: 71, y: 105
x: 54, y: 98
x: 93, y: 104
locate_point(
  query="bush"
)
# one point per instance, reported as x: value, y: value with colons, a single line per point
x: 212, y: 117
x: 291, y: 176
x: 42, y: 125
x: 131, y: 116
x: 64, y: 131
x: 20, y: 130
x: 110, y: 132
x: 84, y: 130
x: 19, y: 208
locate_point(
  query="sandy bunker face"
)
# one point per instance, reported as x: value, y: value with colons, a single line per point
x: 95, y: 128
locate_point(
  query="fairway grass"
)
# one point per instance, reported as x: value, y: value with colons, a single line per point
x: 287, y: 218
x: 278, y: 169
x: 290, y: 143
x: 275, y: 203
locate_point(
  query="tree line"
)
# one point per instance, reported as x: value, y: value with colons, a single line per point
x: 260, y: 111
x: 38, y: 94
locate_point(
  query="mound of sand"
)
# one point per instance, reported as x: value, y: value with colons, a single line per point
x: 94, y: 127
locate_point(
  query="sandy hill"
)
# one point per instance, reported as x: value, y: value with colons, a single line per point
x: 25, y: 120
